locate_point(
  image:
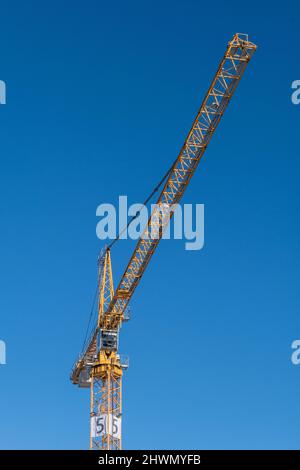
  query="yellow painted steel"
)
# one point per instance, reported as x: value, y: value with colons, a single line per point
x: 106, y: 370
x: 103, y: 366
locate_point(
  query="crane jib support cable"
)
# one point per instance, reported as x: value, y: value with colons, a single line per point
x: 156, y: 188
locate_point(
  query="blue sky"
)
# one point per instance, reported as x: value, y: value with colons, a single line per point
x: 100, y: 96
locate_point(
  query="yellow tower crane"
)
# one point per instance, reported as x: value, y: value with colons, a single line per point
x: 100, y: 366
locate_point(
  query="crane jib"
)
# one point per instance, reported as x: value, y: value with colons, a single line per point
x: 231, y: 69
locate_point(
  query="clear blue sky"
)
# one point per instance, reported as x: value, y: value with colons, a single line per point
x: 100, y: 96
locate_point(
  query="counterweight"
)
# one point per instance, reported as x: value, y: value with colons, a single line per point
x: 100, y: 366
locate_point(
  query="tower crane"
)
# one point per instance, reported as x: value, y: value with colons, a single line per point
x: 100, y: 367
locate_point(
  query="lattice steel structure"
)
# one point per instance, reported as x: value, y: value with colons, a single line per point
x: 113, y: 304
x: 106, y: 371
x: 106, y: 404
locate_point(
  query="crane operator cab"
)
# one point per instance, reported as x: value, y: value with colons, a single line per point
x: 109, y: 340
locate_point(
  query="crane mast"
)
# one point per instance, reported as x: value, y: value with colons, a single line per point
x: 100, y: 367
